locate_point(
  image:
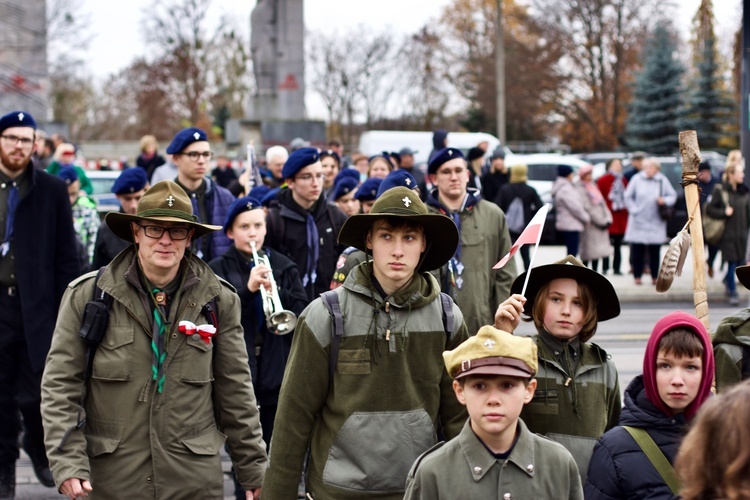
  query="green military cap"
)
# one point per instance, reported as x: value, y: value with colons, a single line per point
x: 493, y: 352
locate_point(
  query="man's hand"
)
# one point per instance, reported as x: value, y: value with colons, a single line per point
x: 76, y: 488
x: 508, y: 314
x: 253, y: 494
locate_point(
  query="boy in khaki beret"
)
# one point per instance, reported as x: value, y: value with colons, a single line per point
x: 495, y: 455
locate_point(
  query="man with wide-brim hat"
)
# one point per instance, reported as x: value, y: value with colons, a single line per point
x: 170, y: 380
x: 352, y: 399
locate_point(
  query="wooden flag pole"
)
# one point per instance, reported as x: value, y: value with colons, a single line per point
x: 691, y: 158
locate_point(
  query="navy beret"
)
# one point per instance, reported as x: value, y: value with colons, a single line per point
x: 130, y: 180
x: 68, y: 174
x: 368, y: 191
x: 258, y: 192
x: 17, y: 119
x: 344, y: 186
x: 397, y: 178
x: 270, y: 197
x: 384, y: 154
x: 333, y: 154
x: 442, y: 156
x: 352, y: 173
x: 564, y: 170
x: 244, y: 204
x: 185, y: 138
x: 298, y: 160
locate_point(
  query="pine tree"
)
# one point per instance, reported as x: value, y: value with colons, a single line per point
x: 654, y: 112
x: 710, y: 109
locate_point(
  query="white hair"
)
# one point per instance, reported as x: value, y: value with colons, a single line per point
x: 277, y: 151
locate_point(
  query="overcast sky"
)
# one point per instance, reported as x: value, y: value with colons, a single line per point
x: 118, y: 35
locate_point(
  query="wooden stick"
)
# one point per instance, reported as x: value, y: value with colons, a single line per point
x: 691, y: 158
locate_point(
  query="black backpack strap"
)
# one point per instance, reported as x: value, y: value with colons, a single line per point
x: 331, y: 302
x: 745, y: 362
x: 448, y: 319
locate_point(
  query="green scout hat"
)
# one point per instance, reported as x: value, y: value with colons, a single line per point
x: 165, y: 201
x: 493, y: 352
x: 743, y: 275
x: 440, y: 231
x: 607, y: 304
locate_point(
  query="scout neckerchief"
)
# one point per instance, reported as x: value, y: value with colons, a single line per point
x: 10, y: 217
x: 313, y: 251
x: 455, y: 266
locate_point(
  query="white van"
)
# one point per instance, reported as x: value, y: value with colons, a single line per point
x: 373, y: 142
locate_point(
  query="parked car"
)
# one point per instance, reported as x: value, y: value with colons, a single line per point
x: 542, y: 174
x: 102, y: 182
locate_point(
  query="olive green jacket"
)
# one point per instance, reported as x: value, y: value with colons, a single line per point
x: 537, y: 468
x: 730, y: 341
x: 138, y: 443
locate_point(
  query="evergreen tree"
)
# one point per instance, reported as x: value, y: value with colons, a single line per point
x: 710, y: 110
x: 654, y: 111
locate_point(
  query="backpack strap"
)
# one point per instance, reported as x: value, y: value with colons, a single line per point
x: 448, y: 319
x: 331, y: 302
x: 655, y: 456
x: 745, y: 362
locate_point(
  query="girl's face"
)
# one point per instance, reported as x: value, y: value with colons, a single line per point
x: 678, y: 379
x: 563, y: 309
x: 330, y: 168
x: 379, y: 168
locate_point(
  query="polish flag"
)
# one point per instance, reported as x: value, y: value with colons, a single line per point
x: 532, y: 234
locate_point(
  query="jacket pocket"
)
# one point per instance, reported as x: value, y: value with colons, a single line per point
x: 545, y: 402
x: 113, y: 358
x: 394, y: 440
x: 197, y: 358
x: 98, y: 445
x: 353, y: 362
x: 208, y: 443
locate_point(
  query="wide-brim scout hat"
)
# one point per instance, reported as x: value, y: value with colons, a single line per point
x: 165, y: 201
x: 607, y: 303
x: 743, y: 275
x: 440, y: 231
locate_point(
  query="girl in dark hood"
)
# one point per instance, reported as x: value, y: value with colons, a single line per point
x: 678, y: 369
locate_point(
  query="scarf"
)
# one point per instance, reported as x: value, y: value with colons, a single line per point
x: 10, y: 217
x: 617, y: 192
x: 593, y: 191
x: 313, y: 251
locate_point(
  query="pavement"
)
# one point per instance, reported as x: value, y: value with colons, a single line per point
x: 27, y: 486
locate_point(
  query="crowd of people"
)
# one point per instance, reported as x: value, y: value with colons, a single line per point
x: 337, y: 325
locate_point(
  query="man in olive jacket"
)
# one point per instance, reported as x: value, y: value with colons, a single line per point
x: 163, y: 395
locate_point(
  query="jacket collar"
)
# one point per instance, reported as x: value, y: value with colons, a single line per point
x: 470, y: 200
x: 480, y: 461
x: 294, y: 210
x: 422, y: 289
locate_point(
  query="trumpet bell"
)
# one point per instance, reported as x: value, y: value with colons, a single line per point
x: 282, y: 322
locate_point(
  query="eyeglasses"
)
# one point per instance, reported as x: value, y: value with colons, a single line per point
x: 12, y: 139
x: 194, y: 155
x: 156, y: 232
x: 305, y: 178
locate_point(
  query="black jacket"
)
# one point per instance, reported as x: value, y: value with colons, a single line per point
x: 491, y: 184
x: 267, y: 353
x: 46, y: 255
x: 107, y: 247
x: 529, y: 198
x: 287, y: 233
x: 618, y: 468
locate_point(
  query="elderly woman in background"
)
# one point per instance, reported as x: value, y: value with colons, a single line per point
x: 595, y: 236
x: 612, y: 185
x: 646, y: 231
x: 570, y: 212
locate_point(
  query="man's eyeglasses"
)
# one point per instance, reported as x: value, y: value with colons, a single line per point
x: 23, y: 141
x: 309, y: 177
x: 194, y: 155
x: 176, y: 233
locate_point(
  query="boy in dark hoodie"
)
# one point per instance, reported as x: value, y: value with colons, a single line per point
x: 676, y: 381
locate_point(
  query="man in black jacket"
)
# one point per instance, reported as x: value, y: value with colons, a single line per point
x: 304, y: 227
x: 38, y: 258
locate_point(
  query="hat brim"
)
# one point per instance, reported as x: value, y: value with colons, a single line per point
x: 440, y: 232
x: 508, y: 370
x: 119, y: 223
x: 743, y: 275
x: 607, y: 303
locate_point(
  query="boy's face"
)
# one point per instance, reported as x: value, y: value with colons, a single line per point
x: 494, y: 403
x: 678, y: 379
x: 395, y: 253
x: 451, y: 179
x: 348, y: 204
x: 563, y: 309
x: 248, y: 226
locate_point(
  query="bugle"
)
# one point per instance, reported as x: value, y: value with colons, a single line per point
x: 278, y: 320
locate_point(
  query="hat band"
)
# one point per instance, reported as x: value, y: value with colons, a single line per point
x: 397, y: 211
x: 166, y: 212
x: 470, y: 364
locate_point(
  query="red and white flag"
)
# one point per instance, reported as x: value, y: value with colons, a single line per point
x: 531, y: 234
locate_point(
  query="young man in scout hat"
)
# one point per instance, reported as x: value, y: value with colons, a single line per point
x: 304, y: 226
x: 191, y: 153
x: 164, y: 394
x: 373, y: 398
x: 495, y: 455
x: 129, y: 188
x: 468, y: 277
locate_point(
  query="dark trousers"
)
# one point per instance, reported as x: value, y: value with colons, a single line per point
x: 571, y: 240
x: 712, y: 251
x: 20, y: 386
x: 640, y: 254
x: 616, y: 241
